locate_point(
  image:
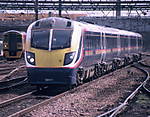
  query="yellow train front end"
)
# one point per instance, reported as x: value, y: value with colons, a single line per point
x: 51, y: 52
x: 13, y: 44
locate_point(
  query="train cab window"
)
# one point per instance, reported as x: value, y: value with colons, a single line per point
x: 40, y: 39
x: 19, y: 38
x: 61, y: 38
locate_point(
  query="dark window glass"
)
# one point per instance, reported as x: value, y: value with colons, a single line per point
x: 61, y: 39
x: 92, y: 40
x: 40, y: 39
x: 140, y: 42
x: 12, y: 42
x: 133, y: 42
x: 124, y: 41
x: 111, y: 41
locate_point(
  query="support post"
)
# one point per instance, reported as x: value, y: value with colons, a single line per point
x: 36, y: 9
x: 60, y: 8
x: 118, y: 8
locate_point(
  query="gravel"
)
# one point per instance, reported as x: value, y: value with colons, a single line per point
x: 140, y: 106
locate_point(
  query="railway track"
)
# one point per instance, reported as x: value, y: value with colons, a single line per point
x: 45, y: 100
x: 7, y: 69
x: 12, y: 82
x: 117, y: 110
x: 29, y: 109
x: 2, y: 61
x: 146, y: 85
x: 22, y: 111
x: 25, y: 103
x: 11, y: 106
x: 7, y: 102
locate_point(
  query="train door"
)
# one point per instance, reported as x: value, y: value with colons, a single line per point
x: 118, y: 46
x: 101, y: 46
x: 129, y: 45
x: 103, y: 39
x: 137, y: 43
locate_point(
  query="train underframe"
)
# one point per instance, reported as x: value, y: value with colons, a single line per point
x: 102, y: 68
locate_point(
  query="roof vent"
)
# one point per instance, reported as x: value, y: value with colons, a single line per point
x: 68, y: 24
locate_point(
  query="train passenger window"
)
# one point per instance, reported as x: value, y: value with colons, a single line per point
x: 111, y: 41
x: 140, y: 42
x: 133, y: 42
x: 124, y: 41
x: 61, y: 38
x: 40, y: 39
x: 92, y: 40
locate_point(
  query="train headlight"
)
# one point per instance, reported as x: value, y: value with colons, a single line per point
x: 30, y: 58
x: 69, y: 58
x: 5, y: 46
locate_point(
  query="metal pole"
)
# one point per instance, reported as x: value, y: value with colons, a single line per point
x: 36, y: 9
x: 118, y: 8
x: 60, y: 8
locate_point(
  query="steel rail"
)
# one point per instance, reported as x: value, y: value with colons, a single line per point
x: 29, y: 109
x: 19, y: 80
x: 132, y: 94
x: 113, y: 112
x: 18, y: 98
x: 144, y: 85
x: 146, y: 89
x: 11, y: 72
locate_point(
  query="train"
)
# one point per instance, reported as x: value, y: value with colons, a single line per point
x: 13, y: 44
x: 61, y: 51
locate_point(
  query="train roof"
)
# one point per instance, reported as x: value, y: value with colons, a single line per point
x: 10, y: 31
x: 85, y: 25
x: 110, y: 30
